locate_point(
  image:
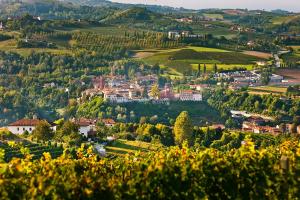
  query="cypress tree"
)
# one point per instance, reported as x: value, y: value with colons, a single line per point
x: 183, y: 129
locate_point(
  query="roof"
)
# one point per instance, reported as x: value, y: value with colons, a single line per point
x: 25, y: 122
x: 108, y: 121
x: 85, y: 122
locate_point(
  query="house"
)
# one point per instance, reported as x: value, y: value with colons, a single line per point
x: 20, y: 126
x: 109, y: 122
x: 199, y: 87
x: 86, y: 126
x: 274, y: 78
x: 250, y: 43
x: 173, y: 35
x: 248, y: 126
x: 189, y: 95
x: 185, y: 20
x: 185, y: 33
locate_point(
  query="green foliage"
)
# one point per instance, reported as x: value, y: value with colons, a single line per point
x: 173, y: 173
x: 154, y: 92
x: 183, y: 129
x: 43, y: 131
x: 224, y: 101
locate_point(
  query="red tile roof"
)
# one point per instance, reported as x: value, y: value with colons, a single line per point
x: 85, y: 122
x: 108, y: 121
x: 25, y: 122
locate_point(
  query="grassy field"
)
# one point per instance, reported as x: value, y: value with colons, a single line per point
x: 264, y: 90
x: 185, y: 60
x: 123, y: 147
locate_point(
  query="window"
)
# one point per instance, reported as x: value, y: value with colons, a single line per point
x: 18, y: 128
x: 23, y: 129
x: 30, y: 129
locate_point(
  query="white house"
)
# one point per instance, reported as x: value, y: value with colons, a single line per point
x: 189, y: 95
x: 85, y: 126
x: 20, y: 126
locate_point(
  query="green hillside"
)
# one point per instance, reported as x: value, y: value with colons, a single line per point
x: 184, y: 60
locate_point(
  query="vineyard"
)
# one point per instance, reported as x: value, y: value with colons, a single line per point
x: 175, y: 173
x: 16, y: 147
x: 107, y: 45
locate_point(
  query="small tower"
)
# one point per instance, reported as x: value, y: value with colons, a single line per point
x: 99, y: 82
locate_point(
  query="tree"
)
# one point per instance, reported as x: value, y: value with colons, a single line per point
x: 154, y: 92
x: 183, y: 129
x: 43, y: 131
x: 204, y: 69
x: 199, y: 71
x: 69, y: 133
x: 215, y: 68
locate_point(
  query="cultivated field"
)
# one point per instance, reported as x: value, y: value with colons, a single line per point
x: 123, y: 147
x: 291, y: 74
x: 185, y: 60
x: 264, y: 90
x: 258, y: 54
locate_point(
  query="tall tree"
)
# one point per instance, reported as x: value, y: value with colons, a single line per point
x: 154, y: 92
x: 183, y: 129
x: 215, y: 68
x: 199, y: 71
x: 204, y: 69
x: 43, y: 131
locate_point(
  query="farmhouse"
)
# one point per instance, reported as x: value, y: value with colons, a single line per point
x: 20, y: 126
x: 109, y: 122
x: 87, y: 127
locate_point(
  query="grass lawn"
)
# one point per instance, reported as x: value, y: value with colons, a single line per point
x: 122, y: 147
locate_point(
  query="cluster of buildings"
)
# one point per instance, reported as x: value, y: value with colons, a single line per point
x: 87, y: 127
x: 185, y: 20
x: 242, y: 29
x: 117, y: 89
x: 257, y: 125
x: 240, y: 79
x: 172, y: 35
